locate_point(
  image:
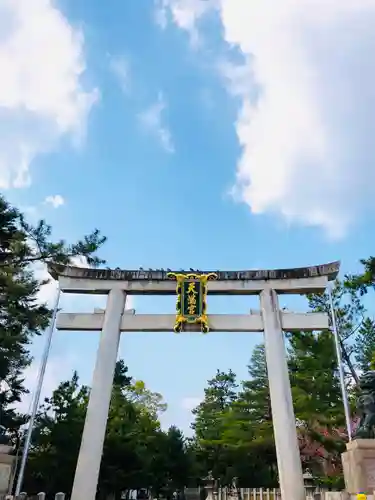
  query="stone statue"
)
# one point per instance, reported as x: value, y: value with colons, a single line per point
x: 366, y: 407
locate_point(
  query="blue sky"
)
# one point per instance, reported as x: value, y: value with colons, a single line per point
x: 193, y: 133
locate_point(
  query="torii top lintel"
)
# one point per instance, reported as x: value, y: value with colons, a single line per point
x: 143, y: 277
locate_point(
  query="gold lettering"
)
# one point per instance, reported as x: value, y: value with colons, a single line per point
x: 192, y: 310
x: 191, y: 299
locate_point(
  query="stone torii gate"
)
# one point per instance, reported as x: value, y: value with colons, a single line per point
x: 117, y: 284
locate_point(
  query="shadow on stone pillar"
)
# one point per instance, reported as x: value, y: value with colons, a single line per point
x: 6, y: 467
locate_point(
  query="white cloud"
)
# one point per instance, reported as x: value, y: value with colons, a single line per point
x: 48, y: 292
x: 56, y: 201
x: 152, y: 120
x: 120, y: 67
x: 185, y: 14
x: 306, y: 118
x: 71, y: 302
x: 79, y: 261
x: 189, y: 403
x: 41, y: 93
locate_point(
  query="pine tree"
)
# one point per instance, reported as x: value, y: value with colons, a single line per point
x: 317, y: 400
x: 135, y: 451
x: 365, y: 344
x: 209, y: 424
x: 314, y: 377
x: 254, y: 428
x: 219, y: 395
x: 256, y: 390
x: 349, y: 312
x: 177, y: 459
x: 56, y: 438
x: 22, y: 246
x: 362, y: 282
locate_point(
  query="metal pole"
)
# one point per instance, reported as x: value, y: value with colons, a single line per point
x: 340, y: 366
x: 38, y: 390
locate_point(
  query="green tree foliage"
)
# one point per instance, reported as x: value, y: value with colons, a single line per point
x: 233, y: 429
x: 314, y: 378
x: 364, y: 346
x: 212, y: 453
x: 356, y: 329
x: 255, y: 397
x: 22, y: 246
x: 171, y: 466
x: 130, y: 433
x: 236, y: 439
x: 365, y: 280
x: 144, y: 399
x: 136, y: 454
x: 252, y: 426
x: 134, y: 438
x: 219, y: 395
x: 349, y: 315
x: 317, y: 401
x: 178, y: 460
x: 121, y: 377
x: 56, y: 438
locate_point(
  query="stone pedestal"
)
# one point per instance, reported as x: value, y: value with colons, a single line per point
x: 6, y: 468
x: 359, y: 466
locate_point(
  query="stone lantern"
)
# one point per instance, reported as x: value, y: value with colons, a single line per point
x: 209, y: 486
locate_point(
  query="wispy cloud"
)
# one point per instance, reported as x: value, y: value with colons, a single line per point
x: 120, y: 67
x: 41, y: 92
x: 151, y: 119
x: 54, y: 200
x: 306, y: 87
x: 186, y: 14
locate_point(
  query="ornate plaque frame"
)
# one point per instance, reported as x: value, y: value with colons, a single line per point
x: 191, y: 304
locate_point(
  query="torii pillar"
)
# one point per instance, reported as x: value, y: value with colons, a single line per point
x: 284, y: 422
x: 91, y: 450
